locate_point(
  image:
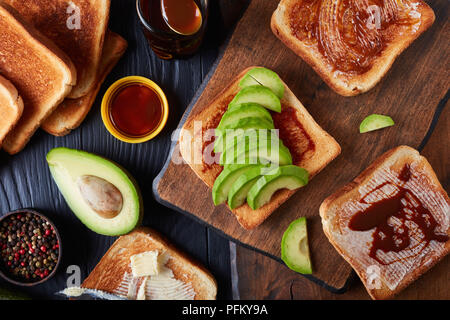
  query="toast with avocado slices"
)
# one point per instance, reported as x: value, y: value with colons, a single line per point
x: 177, y: 276
x: 392, y: 223
x: 42, y: 73
x: 302, y: 143
x: 350, y: 44
x: 11, y: 107
x: 72, y: 112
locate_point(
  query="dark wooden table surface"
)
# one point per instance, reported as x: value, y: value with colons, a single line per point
x: 25, y: 180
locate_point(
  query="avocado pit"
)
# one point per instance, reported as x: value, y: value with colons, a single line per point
x: 102, y: 196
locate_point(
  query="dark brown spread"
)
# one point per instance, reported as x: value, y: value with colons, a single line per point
x: 351, y: 34
x: 406, y: 208
x: 292, y: 133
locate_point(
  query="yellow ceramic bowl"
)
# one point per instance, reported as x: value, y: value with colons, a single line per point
x: 109, y: 97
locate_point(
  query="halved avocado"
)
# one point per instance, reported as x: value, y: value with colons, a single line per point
x: 244, y: 110
x: 240, y: 188
x: 286, y: 177
x: 294, y: 247
x: 259, y: 154
x: 100, y: 193
x: 225, y: 180
x: 260, y: 95
x: 264, y: 77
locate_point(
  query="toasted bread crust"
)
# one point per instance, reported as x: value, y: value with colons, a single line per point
x: 329, y: 212
x: 326, y: 149
x: 109, y: 272
x: 83, y: 46
x: 347, y: 85
x: 71, y: 113
x: 43, y: 74
x: 11, y: 107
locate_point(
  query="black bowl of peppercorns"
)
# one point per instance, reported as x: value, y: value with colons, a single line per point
x: 30, y: 248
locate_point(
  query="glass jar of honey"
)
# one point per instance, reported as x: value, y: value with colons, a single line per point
x: 173, y: 28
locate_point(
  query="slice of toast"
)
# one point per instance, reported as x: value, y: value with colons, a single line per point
x: 71, y: 113
x: 385, y: 274
x: 311, y: 147
x: 58, y: 20
x: 355, y: 42
x: 11, y: 107
x: 113, y: 273
x: 41, y: 72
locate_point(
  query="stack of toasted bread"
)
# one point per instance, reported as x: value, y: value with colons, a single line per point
x: 54, y: 57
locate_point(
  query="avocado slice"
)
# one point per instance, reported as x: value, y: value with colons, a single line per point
x: 100, y: 193
x: 243, y: 144
x: 258, y: 154
x: 225, y: 180
x: 244, y: 110
x: 244, y: 124
x: 286, y: 177
x: 375, y: 122
x: 258, y: 94
x: 240, y: 188
x: 264, y: 77
x: 294, y: 247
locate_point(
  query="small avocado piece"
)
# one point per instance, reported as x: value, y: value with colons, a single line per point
x: 286, y: 177
x: 100, y: 193
x: 260, y: 95
x: 264, y: 77
x: 240, y: 188
x: 225, y: 180
x: 375, y: 122
x: 231, y: 130
x: 242, y: 111
x: 294, y: 247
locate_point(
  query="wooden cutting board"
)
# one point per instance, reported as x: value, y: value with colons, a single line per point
x: 412, y: 93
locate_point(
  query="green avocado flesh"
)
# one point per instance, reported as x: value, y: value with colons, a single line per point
x: 87, y: 181
x: 260, y: 95
x: 294, y: 247
x: 240, y: 188
x: 286, y: 177
x: 264, y: 77
x: 242, y: 111
x: 257, y: 154
x: 375, y: 122
x: 225, y: 180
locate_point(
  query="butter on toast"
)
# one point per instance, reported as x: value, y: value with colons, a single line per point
x: 311, y: 147
x: 41, y: 72
x: 71, y: 113
x: 11, y: 107
x: 83, y: 43
x: 113, y: 273
x: 400, y: 175
x: 350, y: 44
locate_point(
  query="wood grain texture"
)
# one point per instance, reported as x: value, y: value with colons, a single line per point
x: 263, y: 278
x: 25, y: 180
x: 414, y: 85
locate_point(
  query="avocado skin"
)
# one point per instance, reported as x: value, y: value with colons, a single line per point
x: 116, y: 167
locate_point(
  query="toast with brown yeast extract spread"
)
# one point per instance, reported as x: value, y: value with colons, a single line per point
x: 179, y: 277
x: 391, y: 223
x: 41, y: 72
x: 310, y: 146
x: 78, y: 27
x: 71, y: 113
x: 11, y: 107
x: 351, y: 44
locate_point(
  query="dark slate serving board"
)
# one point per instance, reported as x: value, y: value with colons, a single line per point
x: 25, y: 180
